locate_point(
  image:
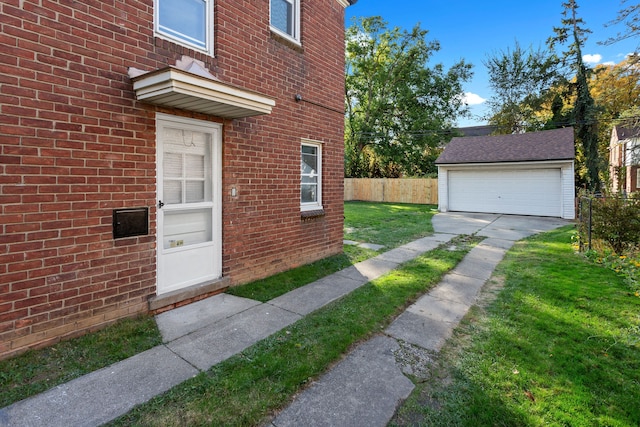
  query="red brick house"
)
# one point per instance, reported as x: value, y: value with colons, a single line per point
x: 624, y: 159
x: 154, y: 152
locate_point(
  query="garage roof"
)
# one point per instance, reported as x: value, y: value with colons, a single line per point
x: 556, y: 144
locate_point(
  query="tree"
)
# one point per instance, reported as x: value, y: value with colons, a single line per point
x: 616, y: 92
x: 584, y: 110
x: 520, y: 81
x: 616, y: 88
x: 398, y: 110
x: 629, y: 18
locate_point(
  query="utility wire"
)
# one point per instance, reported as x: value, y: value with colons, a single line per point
x: 445, y: 132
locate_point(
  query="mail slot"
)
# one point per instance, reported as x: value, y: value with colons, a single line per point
x: 130, y: 222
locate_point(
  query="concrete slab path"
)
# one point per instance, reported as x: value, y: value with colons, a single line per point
x: 362, y: 390
x: 349, y: 395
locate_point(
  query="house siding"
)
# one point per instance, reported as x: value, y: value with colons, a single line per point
x: 75, y: 144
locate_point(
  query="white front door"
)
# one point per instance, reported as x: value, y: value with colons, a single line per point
x: 189, y: 233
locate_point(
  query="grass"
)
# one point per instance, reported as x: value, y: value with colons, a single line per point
x: 273, y: 286
x: 38, y: 370
x: 559, y: 345
x: 249, y: 387
x: 388, y: 224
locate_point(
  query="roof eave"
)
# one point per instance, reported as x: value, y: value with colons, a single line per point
x: 507, y: 163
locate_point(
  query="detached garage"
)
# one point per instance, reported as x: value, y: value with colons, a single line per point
x: 521, y: 174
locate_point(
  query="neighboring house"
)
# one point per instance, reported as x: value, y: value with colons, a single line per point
x: 155, y: 152
x: 624, y: 159
x: 524, y: 174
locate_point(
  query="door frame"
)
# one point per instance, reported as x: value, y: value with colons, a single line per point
x: 215, y: 129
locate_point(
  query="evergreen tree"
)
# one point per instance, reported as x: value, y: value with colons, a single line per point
x: 584, y: 109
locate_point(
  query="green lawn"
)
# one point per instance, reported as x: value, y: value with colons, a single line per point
x: 559, y: 346
x: 39, y: 370
x: 248, y: 388
x: 387, y: 224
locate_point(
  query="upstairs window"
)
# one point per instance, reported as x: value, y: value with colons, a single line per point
x: 285, y: 18
x: 188, y: 22
x: 311, y: 176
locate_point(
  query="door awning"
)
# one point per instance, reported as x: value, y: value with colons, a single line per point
x: 174, y: 87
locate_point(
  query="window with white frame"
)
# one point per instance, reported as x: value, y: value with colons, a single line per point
x: 285, y: 18
x: 188, y: 22
x: 638, y: 178
x: 311, y: 176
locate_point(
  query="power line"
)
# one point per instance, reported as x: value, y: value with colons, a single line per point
x: 447, y: 132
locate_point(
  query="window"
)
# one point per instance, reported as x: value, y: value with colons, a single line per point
x: 311, y: 176
x: 638, y: 178
x: 188, y: 22
x: 285, y: 18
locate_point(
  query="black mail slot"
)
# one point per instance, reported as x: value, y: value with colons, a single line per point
x: 130, y: 222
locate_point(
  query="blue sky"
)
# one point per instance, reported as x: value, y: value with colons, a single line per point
x: 474, y: 29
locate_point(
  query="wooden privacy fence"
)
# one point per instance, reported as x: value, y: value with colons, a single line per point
x: 395, y: 190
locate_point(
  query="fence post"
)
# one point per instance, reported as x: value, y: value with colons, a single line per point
x: 590, y: 220
x: 581, y: 224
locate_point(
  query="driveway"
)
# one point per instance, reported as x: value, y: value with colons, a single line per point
x: 497, y: 226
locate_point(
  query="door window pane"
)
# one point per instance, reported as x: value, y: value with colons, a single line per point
x: 172, y: 192
x: 194, y: 191
x: 186, y: 167
x: 195, y: 166
x: 172, y: 164
x: 184, y: 228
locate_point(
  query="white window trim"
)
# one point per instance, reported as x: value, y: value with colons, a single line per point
x: 638, y: 178
x: 208, y: 35
x: 317, y: 205
x: 296, y: 24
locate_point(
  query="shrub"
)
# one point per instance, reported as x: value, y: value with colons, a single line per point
x: 617, y: 222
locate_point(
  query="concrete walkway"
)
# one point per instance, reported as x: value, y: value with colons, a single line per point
x: 368, y: 385
x: 363, y: 390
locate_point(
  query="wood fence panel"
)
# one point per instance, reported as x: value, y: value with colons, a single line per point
x: 394, y: 190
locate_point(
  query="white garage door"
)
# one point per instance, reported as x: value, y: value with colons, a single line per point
x: 519, y: 192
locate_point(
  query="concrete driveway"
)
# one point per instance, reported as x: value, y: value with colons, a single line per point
x: 497, y: 226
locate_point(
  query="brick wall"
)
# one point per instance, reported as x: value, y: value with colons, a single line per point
x: 74, y: 145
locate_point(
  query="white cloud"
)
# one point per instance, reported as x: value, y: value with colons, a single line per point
x: 592, y: 59
x: 472, y: 99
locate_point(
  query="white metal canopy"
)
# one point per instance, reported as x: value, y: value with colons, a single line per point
x: 174, y: 87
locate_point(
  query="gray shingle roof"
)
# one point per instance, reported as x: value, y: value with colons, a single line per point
x: 625, y: 132
x: 556, y: 144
